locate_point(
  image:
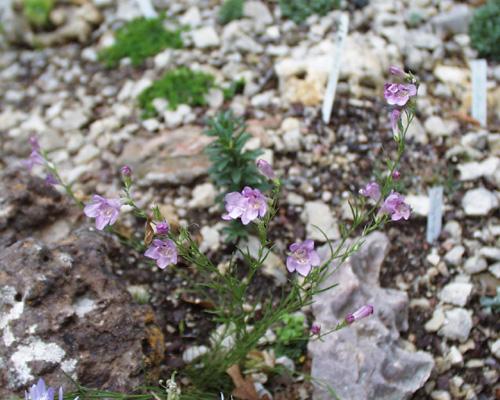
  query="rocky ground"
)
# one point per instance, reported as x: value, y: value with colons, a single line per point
x: 87, y: 117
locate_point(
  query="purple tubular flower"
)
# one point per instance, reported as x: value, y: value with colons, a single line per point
x: 363, y: 312
x: 126, y: 170
x: 265, y: 168
x: 247, y: 205
x: 371, y: 190
x: 34, y: 159
x: 398, y: 94
x: 41, y: 392
x: 302, y: 258
x: 35, y: 145
x: 105, y: 211
x: 395, y: 206
x: 50, y: 180
x: 396, y: 71
x: 163, y: 251
x: 395, y: 116
x: 162, y: 228
x: 315, y: 329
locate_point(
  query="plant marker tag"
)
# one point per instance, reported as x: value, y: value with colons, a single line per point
x: 147, y: 9
x: 343, y: 28
x: 434, y: 219
x: 479, y: 97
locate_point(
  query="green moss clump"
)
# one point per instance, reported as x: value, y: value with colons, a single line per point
x: 37, y: 12
x: 299, y: 10
x: 139, y: 39
x: 230, y: 10
x: 484, y: 30
x: 178, y: 86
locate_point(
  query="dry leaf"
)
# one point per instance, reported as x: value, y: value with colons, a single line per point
x: 148, y: 232
x: 244, y: 388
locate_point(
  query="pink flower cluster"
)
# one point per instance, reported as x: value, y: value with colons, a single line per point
x: 394, y: 205
x: 247, y: 205
x: 398, y: 95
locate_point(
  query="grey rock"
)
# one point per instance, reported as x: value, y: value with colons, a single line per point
x: 454, y: 256
x: 477, y: 202
x: 205, y: 37
x: 171, y: 157
x: 492, y: 253
x: 454, y: 21
x: 495, y: 270
x: 63, y: 310
x: 27, y: 204
x: 456, y: 293
x: 365, y: 360
x: 474, y: 170
x: 318, y: 215
x: 475, y: 264
x: 437, y: 127
x: 457, y: 324
x: 203, y: 196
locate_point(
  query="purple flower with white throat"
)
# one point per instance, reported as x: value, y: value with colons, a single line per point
x: 398, y: 94
x: 371, y: 190
x: 302, y: 257
x: 162, y: 228
x: 105, y: 211
x: 247, y: 205
x: 163, y: 251
x: 265, y: 168
x: 395, y: 206
x: 361, y: 313
x: 41, y: 392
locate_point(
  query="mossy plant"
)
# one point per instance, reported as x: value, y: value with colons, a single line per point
x: 37, y: 12
x: 139, y: 39
x: 178, y: 86
x: 230, y: 10
x: 484, y: 30
x: 299, y: 10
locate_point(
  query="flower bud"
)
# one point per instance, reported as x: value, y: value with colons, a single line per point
x: 361, y: 313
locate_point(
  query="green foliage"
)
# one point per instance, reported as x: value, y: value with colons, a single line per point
x: 291, y: 339
x: 140, y: 39
x: 230, y: 10
x: 178, y: 86
x: 232, y: 167
x: 236, y: 87
x: 37, y: 12
x: 484, y: 30
x: 292, y: 328
x: 299, y: 10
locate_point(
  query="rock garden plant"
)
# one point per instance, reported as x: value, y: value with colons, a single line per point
x: 252, y: 197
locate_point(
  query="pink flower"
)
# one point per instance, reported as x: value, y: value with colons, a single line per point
x: 126, y: 170
x: 315, y: 329
x: 396, y: 71
x: 395, y: 206
x: 162, y: 228
x: 105, y: 211
x: 302, y: 257
x: 247, y: 205
x: 395, y: 116
x: 35, y: 157
x: 163, y: 251
x: 396, y: 175
x: 363, y: 312
x: 265, y: 168
x: 398, y: 94
x: 371, y: 190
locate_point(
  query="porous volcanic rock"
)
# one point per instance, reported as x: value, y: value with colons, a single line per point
x: 62, y: 309
x: 365, y: 360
